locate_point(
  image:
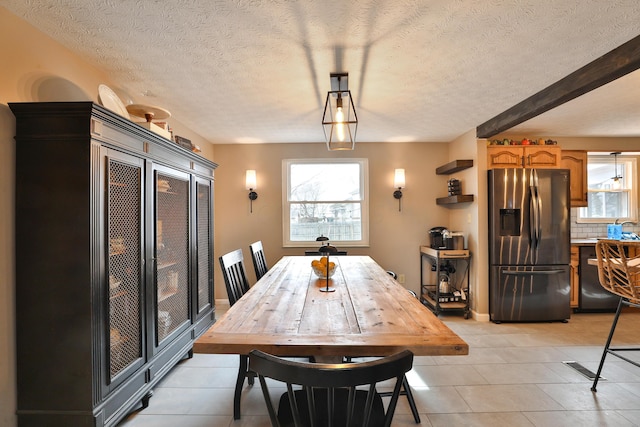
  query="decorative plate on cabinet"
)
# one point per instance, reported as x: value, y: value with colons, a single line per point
x: 110, y: 100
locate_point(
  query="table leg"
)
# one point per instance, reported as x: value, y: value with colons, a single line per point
x: 242, y: 373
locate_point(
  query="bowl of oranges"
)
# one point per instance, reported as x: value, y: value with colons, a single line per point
x: 322, y: 267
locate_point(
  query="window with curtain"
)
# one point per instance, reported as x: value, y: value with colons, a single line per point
x: 607, y: 199
x: 325, y: 197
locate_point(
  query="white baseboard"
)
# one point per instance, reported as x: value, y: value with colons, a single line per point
x: 480, y: 317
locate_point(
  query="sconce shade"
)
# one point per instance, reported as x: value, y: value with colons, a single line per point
x: 250, y: 180
x: 398, y: 179
x: 339, y: 121
x: 251, y: 184
x: 398, y: 184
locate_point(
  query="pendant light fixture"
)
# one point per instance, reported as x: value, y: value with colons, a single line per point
x: 339, y: 120
x: 617, y: 179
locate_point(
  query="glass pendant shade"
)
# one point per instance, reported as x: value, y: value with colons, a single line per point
x: 617, y: 183
x: 339, y: 120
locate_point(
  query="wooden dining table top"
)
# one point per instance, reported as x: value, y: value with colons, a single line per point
x: 368, y: 314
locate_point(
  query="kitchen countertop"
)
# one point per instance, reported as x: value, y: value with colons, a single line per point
x: 591, y: 241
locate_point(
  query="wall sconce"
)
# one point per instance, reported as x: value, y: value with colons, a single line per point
x: 251, y: 184
x: 340, y: 123
x: 399, y: 183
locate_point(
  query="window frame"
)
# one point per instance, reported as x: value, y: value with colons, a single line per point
x: 286, y: 202
x: 629, y: 171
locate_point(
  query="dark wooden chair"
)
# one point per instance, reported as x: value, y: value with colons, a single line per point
x: 259, y: 260
x: 235, y: 279
x: 619, y: 273
x: 406, y: 390
x: 328, y: 396
x: 234, y: 274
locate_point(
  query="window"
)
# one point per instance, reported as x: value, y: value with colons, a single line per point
x: 326, y: 197
x: 606, y: 204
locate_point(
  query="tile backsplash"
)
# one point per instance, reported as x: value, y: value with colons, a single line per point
x: 584, y: 231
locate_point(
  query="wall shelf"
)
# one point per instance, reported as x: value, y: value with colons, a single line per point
x: 461, y: 198
x: 453, y: 167
x: 449, y: 168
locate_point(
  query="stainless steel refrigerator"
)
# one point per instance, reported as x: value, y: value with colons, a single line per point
x: 529, y: 245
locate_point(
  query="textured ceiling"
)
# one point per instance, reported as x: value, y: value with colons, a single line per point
x: 430, y: 70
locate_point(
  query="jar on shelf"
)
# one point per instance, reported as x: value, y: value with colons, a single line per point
x: 455, y: 189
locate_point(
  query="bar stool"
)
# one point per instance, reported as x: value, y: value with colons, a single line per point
x: 619, y: 273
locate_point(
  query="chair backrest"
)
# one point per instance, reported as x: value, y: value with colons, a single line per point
x: 235, y: 277
x: 619, y: 267
x: 259, y: 260
x: 329, y: 390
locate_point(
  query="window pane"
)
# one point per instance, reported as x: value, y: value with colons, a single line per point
x: 325, y: 182
x: 325, y: 197
x: 338, y: 221
x: 607, y: 205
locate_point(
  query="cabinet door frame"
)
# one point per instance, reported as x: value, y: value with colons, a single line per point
x: 504, y: 156
x: 523, y: 156
x: 106, y: 156
x: 576, y: 162
x: 542, y: 156
x: 199, y: 313
x: 155, y: 344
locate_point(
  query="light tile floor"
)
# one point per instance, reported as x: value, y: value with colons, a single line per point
x: 513, y: 376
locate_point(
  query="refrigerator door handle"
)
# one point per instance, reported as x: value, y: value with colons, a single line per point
x: 533, y: 218
x: 531, y: 273
x: 535, y: 213
x: 539, y: 211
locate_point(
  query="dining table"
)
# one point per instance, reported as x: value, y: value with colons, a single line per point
x: 289, y: 313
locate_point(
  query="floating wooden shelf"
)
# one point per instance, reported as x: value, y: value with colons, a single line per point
x: 462, y: 198
x: 453, y: 167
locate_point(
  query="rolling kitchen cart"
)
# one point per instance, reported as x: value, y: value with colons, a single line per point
x: 444, y: 279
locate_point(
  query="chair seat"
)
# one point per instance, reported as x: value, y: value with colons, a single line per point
x: 285, y: 416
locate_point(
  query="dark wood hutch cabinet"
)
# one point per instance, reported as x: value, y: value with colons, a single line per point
x: 114, y: 269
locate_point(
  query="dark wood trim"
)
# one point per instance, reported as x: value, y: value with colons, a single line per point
x: 612, y: 65
x: 454, y: 166
x: 449, y: 200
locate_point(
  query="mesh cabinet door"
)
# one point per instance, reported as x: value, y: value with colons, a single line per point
x: 205, y: 249
x: 171, y: 252
x: 124, y: 231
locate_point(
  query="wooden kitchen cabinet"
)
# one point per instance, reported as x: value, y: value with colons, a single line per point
x: 576, y: 162
x: 575, y: 276
x: 114, y: 262
x: 523, y: 156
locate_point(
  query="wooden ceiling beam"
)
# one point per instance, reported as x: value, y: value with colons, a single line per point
x: 612, y: 65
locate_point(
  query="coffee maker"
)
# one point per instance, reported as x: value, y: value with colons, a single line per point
x: 436, y: 238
